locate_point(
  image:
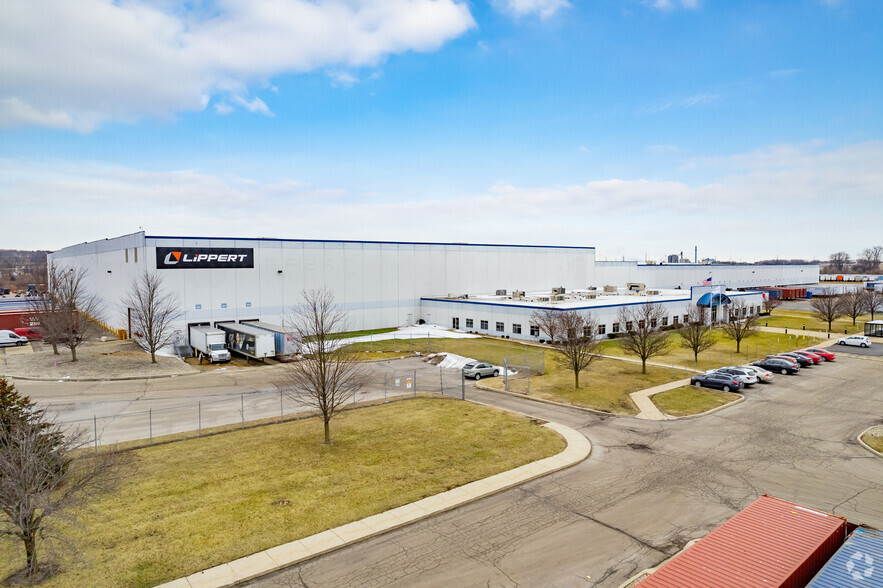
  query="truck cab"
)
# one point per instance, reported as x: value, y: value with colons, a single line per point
x: 217, y: 353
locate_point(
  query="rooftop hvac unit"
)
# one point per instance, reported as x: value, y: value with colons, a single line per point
x: 592, y: 288
x: 558, y: 297
x: 558, y: 290
x: 542, y: 298
x: 518, y: 294
x: 653, y: 292
x: 501, y: 293
x: 591, y: 295
x: 610, y: 289
x: 636, y: 287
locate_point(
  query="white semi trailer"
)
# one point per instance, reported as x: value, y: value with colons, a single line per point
x: 209, y: 343
x: 248, y: 341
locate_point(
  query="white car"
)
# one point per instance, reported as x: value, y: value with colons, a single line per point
x: 744, y: 375
x: 762, y: 374
x: 855, y: 341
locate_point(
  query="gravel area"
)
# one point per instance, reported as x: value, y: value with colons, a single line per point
x: 100, y: 360
x: 875, y: 431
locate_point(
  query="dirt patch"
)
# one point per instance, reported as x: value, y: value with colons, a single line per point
x: 98, y: 359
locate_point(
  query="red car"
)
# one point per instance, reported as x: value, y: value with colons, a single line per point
x: 827, y: 355
x: 29, y: 332
x: 814, y: 357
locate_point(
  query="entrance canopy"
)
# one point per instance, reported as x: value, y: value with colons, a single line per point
x: 709, y: 299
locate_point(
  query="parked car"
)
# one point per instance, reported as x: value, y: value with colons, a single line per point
x: 803, y: 361
x: 816, y: 359
x: 10, y: 338
x: 778, y: 364
x: 480, y: 370
x: 717, y: 380
x: 827, y: 355
x: 30, y: 332
x: 764, y: 375
x: 855, y: 340
x: 746, y: 376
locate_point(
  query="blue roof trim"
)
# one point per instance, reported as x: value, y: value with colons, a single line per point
x: 371, y: 242
x: 460, y: 301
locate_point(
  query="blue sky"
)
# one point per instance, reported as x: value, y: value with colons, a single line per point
x: 752, y: 130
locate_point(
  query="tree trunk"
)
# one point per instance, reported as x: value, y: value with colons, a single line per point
x: 576, y: 379
x: 738, y: 342
x: 643, y: 365
x: 31, y: 551
x: 695, y: 358
x: 55, y: 348
x: 152, y: 356
x: 327, y: 432
x: 73, y: 354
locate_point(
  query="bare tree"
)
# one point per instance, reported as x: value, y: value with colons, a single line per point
x: 827, y: 308
x: 770, y: 304
x: 44, y: 476
x: 68, y: 308
x: 741, y: 324
x: 641, y: 336
x: 854, y: 304
x: 869, y: 259
x: 547, y: 320
x: 873, y: 302
x: 154, y: 309
x: 329, y: 376
x: 696, y: 335
x: 839, y: 260
x: 578, y: 346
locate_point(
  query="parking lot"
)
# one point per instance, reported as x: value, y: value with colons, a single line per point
x: 647, y: 489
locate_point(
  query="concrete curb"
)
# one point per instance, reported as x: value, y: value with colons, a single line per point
x: 712, y: 411
x: 865, y: 445
x: 276, y: 558
x: 122, y: 379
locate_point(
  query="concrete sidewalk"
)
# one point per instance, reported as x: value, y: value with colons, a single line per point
x: 649, y: 410
x: 273, y: 559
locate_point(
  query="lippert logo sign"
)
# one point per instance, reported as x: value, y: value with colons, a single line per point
x: 203, y: 257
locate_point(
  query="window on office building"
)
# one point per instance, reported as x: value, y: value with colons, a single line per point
x: 516, y: 328
x: 468, y: 323
x: 456, y: 322
x: 628, y: 326
x: 664, y: 321
x: 602, y: 329
x: 686, y: 319
x: 641, y: 324
x: 484, y: 325
x: 615, y: 328
x: 674, y: 319
x: 534, y: 331
x: 653, y: 323
x: 500, y: 327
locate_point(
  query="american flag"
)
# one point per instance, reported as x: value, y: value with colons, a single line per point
x: 707, y: 281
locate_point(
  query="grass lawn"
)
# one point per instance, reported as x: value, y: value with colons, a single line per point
x: 688, y: 400
x: 483, y: 349
x: 795, y: 319
x: 605, y: 386
x: 194, y: 504
x: 724, y: 351
x: 348, y: 334
x: 873, y: 442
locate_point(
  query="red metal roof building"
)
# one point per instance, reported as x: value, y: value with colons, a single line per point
x: 771, y: 543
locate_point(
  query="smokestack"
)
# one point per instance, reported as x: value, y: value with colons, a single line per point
x: 695, y: 253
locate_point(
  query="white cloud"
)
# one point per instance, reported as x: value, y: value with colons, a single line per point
x: 76, y: 64
x: 343, y: 78
x: 85, y: 198
x: 687, y: 102
x: 519, y: 8
x: 254, y: 105
x: 672, y: 4
x: 223, y: 108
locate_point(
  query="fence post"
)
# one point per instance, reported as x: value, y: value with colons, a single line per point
x: 199, y: 418
x: 282, y: 410
x: 462, y: 386
x: 441, y: 380
x: 414, y: 382
x: 150, y: 423
x: 384, y: 390
x: 95, y: 431
x: 506, y: 373
x: 242, y: 408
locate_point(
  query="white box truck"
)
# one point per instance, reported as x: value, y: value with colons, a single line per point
x: 209, y: 343
x: 249, y: 341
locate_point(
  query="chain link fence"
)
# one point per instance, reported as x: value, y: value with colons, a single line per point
x: 241, y: 410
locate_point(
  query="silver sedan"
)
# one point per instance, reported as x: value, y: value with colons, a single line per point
x: 480, y: 370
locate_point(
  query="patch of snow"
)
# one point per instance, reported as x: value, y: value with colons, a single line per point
x: 454, y: 361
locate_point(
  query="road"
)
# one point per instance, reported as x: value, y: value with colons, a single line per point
x: 648, y: 488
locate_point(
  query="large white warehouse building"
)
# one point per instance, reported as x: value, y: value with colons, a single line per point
x: 380, y: 284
